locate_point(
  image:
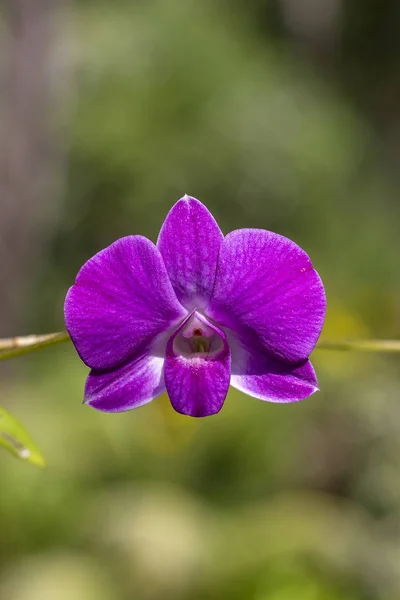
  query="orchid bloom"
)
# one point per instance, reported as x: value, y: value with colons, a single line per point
x: 194, y: 314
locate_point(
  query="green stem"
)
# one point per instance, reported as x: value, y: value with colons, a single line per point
x: 363, y: 345
x: 12, y: 347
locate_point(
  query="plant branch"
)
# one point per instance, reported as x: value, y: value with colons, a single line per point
x: 11, y: 347
x: 363, y: 345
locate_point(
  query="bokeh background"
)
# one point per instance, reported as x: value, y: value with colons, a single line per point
x: 281, y: 114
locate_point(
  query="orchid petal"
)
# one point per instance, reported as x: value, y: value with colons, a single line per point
x: 260, y: 376
x: 189, y: 242
x: 121, y: 300
x: 128, y: 387
x: 266, y: 287
x: 197, y: 385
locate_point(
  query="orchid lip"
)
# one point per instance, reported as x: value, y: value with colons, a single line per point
x: 197, y: 367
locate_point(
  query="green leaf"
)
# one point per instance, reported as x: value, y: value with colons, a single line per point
x: 15, y: 438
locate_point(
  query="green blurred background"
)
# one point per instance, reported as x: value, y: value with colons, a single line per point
x: 281, y: 114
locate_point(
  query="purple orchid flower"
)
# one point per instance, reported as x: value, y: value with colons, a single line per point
x: 194, y: 314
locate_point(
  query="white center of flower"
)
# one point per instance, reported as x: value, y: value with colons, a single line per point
x: 197, y: 339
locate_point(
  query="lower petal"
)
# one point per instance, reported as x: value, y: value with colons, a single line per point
x: 128, y: 387
x: 197, y: 384
x: 260, y: 376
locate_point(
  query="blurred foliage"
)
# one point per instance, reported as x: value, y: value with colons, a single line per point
x: 175, y: 97
x: 262, y: 502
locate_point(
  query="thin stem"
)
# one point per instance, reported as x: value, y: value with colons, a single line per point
x: 363, y: 345
x: 11, y: 347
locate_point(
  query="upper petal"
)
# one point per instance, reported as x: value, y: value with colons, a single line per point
x: 266, y: 286
x: 260, y: 376
x: 121, y: 300
x: 189, y: 242
x: 197, y: 385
